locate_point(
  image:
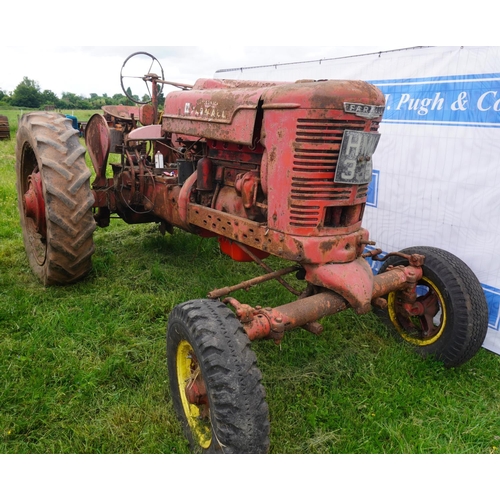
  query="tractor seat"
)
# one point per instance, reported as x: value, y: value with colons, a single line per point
x: 144, y: 114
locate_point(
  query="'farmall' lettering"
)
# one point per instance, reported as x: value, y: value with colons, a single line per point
x: 205, y: 109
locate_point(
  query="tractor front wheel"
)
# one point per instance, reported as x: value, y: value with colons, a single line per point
x: 54, y: 198
x: 215, y: 384
x: 454, y: 318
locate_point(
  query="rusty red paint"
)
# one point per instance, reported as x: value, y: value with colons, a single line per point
x: 122, y: 112
x: 148, y: 133
x: 302, y: 249
x: 271, y: 323
x: 98, y: 142
x: 246, y: 186
x: 196, y: 391
x: 353, y: 281
x: 34, y: 203
x: 148, y: 114
x: 265, y: 183
x: 215, y: 294
x: 205, y: 179
x: 214, y: 114
x: 396, y: 279
x: 233, y: 250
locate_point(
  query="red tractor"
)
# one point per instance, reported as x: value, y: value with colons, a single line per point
x: 267, y: 168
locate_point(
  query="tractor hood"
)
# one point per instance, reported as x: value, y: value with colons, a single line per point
x: 226, y: 110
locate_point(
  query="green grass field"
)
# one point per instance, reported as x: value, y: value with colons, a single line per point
x: 83, y: 367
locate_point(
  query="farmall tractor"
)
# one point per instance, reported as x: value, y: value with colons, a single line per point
x: 267, y: 168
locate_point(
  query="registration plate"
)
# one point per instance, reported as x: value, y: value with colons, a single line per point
x: 355, y: 162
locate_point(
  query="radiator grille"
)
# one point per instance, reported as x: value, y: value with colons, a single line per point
x: 316, y: 152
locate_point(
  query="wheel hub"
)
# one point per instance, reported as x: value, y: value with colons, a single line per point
x: 196, y: 392
x: 430, y: 307
x: 421, y: 322
x: 34, y: 204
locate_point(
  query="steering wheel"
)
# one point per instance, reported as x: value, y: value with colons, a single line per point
x: 152, y: 66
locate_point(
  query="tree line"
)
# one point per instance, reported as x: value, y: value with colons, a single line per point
x: 28, y: 94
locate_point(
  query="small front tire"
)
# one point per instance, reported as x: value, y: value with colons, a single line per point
x: 455, y: 322
x: 215, y: 384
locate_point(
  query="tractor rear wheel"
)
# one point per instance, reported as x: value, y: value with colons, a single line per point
x: 54, y: 198
x: 215, y: 384
x: 455, y: 319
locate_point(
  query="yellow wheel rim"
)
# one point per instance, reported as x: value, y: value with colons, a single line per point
x: 440, y: 318
x: 186, y: 368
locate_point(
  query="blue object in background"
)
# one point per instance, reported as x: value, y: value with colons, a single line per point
x: 74, y: 120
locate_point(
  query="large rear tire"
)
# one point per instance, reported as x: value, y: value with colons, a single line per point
x: 455, y: 322
x: 215, y: 384
x: 54, y: 198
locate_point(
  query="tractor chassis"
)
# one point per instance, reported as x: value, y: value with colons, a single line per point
x: 317, y: 302
x: 332, y: 287
x: 313, y: 304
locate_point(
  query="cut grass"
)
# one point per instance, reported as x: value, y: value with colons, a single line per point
x: 83, y: 367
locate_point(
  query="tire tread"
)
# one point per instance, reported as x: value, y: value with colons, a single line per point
x: 239, y: 413
x: 67, y: 195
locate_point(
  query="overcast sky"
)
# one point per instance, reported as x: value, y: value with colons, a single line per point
x: 86, y: 70
x: 196, y: 39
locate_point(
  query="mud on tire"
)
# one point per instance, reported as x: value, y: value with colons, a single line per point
x: 207, y: 347
x: 54, y: 198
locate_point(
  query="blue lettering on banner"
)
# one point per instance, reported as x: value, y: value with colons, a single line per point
x: 466, y: 100
x: 372, y: 197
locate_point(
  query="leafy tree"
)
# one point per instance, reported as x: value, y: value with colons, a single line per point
x: 128, y: 101
x: 27, y: 94
x: 49, y: 98
x: 73, y: 101
x: 120, y: 99
x: 4, y: 97
x: 97, y: 102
